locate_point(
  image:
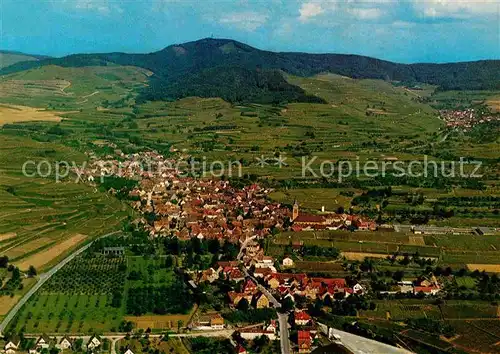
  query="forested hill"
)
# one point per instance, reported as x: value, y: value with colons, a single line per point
x: 196, y: 68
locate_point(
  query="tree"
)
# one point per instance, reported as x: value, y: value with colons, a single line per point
x: 243, y: 305
x: 179, y: 325
x: 169, y: 262
x: 287, y: 305
x: 31, y: 271
x: 4, y: 261
x: 78, y: 344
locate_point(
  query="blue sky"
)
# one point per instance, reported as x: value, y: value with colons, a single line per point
x: 405, y: 31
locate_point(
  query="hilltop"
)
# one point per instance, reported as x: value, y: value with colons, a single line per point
x: 238, y: 72
x: 8, y: 58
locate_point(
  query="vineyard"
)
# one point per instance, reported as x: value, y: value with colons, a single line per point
x: 77, y: 299
x: 480, y: 335
x: 316, y: 266
x: 448, y: 310
x: 95, y: 293
x: 89, y: 275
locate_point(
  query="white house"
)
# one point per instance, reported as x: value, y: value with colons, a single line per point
x: 129, y: 352
x: 288, y: 262
x: 250, y: 334
x: 358, y: 289
x: 43, y: 342
x: 12, y: 345
x: 271, y: 327
x: 93, y: 343
x: 65, y: 343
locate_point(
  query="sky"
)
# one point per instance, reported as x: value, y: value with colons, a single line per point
x: 405, y: 31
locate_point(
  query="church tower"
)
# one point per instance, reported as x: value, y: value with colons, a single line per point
x: 295, y: 212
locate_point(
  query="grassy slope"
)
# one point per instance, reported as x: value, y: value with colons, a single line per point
x: 71, y: 88
x: 43, y: 212
x: 7, y: 59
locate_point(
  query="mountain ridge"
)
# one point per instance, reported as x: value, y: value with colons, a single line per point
x: 195, y: 68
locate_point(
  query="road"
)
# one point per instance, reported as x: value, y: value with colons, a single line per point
x: 244, y: 245
x: 282, y: 317
x: 118, y: 336
x: 42, y: 280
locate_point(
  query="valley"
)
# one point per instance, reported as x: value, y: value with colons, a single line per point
x: 96, y: 129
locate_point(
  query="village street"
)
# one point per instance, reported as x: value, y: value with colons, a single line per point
x: 282, y: 317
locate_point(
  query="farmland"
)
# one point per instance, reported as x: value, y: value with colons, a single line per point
x: 455, y: 250
x: 94, y: 110
x: 95, y: 293
x: 11, y: 114
x: 46, y: 216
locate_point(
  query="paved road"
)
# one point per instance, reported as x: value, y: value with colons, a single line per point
x: 42, y: 280
x: 244, y: 245
x: 282, y: 317
x: 362, y: 345
x: 118, y: 336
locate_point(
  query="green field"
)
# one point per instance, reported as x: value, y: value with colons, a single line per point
x: 42, y: 212
x: 80, y: 297
x: 455, y: 250
x: 401, y: 310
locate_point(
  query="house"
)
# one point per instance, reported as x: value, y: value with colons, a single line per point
x: 426, y: 290
x: 358, y: 289
x: 209, y: 275
x: 249, y: 287
x: 304, y: 341
x: 235, y: 298
x: 93, y: 343
x: 241, y: 350
x: 288, y: 262
x: 252, y: 333
x: 12, y: 345
x: 302, y: 318
x: 271, y: 327
x: 260, y: 301
x: 128, y: 351
x: 236, y: 275
x: 267, y: 260
x: 43, y: 342
x: 273, y: 283
x: 217, y: 322
x: 65, y: 343
x: 262, y: 272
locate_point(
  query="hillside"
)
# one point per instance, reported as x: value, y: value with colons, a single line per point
x: 8, y: 58
x: 179, y: 69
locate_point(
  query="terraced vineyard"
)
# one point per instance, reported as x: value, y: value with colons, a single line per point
x: 457, y: 251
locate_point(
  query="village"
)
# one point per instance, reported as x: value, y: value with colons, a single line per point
x: 465, y: 119
x: 173, y: 204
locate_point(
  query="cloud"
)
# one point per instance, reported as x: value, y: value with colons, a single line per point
x: 403, y: 24
x: 309, y: 10
x: 366, y: 14
x: 455, y: 8
x: 102, y: 7
x: 248, y: 20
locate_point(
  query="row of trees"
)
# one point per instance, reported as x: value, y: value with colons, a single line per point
x: 174, y: 298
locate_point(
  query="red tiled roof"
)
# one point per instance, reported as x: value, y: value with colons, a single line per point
x: 424, y: 289
x: 302, y: 316
x: 336, y: 282
x: 309, y: 218
x: 304, y: 338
